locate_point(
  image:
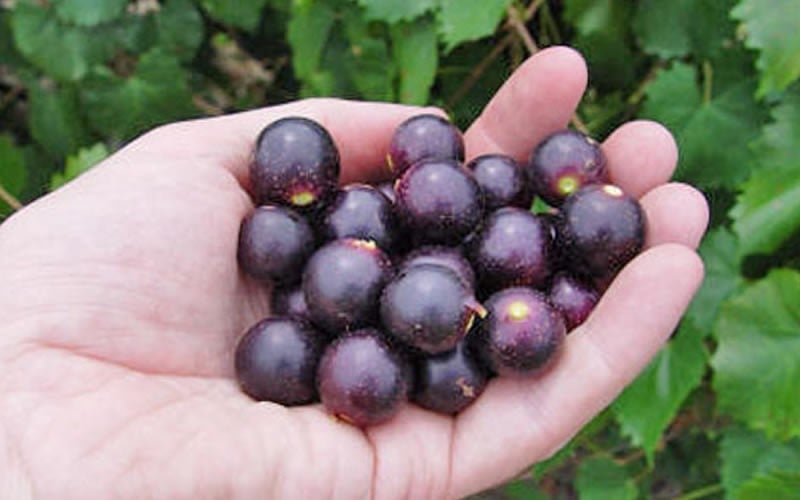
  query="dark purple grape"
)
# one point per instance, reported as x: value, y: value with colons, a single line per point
x: 563, y: 163
x: 428, y: 307
x: 361, y: 211
x: 603, y: 229
x: 573, y: 297
x: 276, y: 360
x: 361, y: 379
x: 424, y: 137
x: 522, y: 333
x: 438, y: 202
x: 274, y: 244
x: 449, y: 382
x: 552, y: 221
x: 296, y: 163
x: 502, y: 181
x: 512, y: 249
x: 449, y: 257
x: 387, y: 188
x: 289, y: 302
x: 342, y: 284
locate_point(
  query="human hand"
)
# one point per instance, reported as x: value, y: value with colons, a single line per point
x: 122, y: 303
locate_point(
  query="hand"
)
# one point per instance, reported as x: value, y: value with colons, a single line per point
x: 122, y: 302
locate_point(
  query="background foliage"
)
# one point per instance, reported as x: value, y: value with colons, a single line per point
x: 717, y: 412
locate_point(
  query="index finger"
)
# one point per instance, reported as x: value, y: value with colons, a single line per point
x: 537, y: 100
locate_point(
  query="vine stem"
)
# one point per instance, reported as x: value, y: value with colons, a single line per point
x: 522, y: 32
x: 478, y: 70
x: 702, y: 492
x: 9, y: 198
x: 708, y: 80
x: 483, y: 65
x: 532, y: 8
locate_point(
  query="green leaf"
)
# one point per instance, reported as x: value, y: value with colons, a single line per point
x: 710, y: 28
x: 12, y: 170
x: 135, y: 34
x: 756, y: 362
x: 55, y: 119
x: 8, y: 51
x: 648, y: 405
x: 523, y: 490
x: 731, y: 118
x: 779, y: 145
x: 775, y: 486
x: 597, y: 16
x: 660, y: 38
x: 466, y: 97
x: 89, y: 12
x: 79, y: 163
x: 772, y: 28
x: 599, y: 424
x: 333, y: 75
x: 156, y: 93
x: 699, y: 27
x: 609, y: 59
x: 673, y: 97
x: 62, y: 51
x: 393, y: 11
x: 746, y: 454
x: 603, y: 37
x: 180, y: 28
x: 367, y: 61
x: 307, y: 33
x: 416, y: 53
x: 464, y: 20
x: 720, y: 253
x: 601, y: 479
x: 245, y: 14
x: 767, y: 212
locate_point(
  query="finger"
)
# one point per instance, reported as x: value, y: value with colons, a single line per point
x: 641, y: 155
x: 680, y: 212
x: 518, y: 421
x: 538, y: 99
x: 360, y: 130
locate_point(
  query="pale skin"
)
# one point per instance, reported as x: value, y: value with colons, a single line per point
x: 121, y: 303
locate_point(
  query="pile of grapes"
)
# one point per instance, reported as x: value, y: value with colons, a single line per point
x: 423, y: 288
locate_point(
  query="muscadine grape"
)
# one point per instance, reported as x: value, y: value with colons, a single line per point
x: 361, y: 211
x: 295, y: 163
x: 274, y: 244
x: 428, y: 307
x: 361, y: 379
x: 603, y: 229
x: 438, y: 201
x: 522, y: 333
x: 502, y: 181
x: 449, y: 382
x: 276, y: 360
x: 564, y: 162
x: 512, y: 248
x: 424, y: 137
x: 342, y: 284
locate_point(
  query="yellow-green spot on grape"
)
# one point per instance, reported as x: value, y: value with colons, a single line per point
x: 567, y: 184
x: 518, y: 311
x: 303, y: 198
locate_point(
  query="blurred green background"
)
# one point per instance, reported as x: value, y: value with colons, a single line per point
x: 717, y: 413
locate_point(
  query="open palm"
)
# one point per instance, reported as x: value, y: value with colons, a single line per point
x: 122, y: 302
